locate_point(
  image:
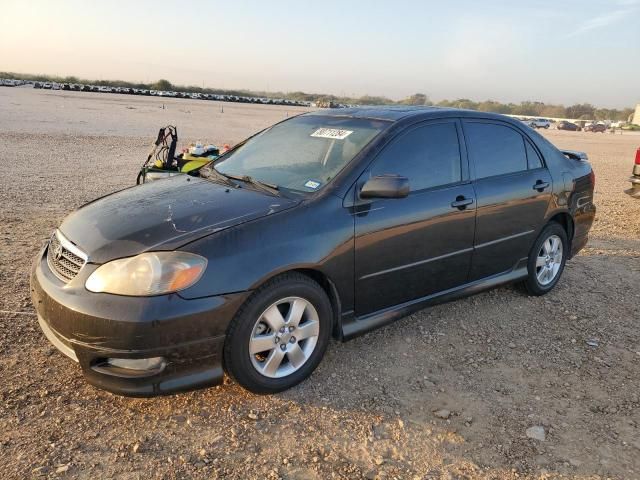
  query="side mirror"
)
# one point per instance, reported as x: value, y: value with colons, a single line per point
x: 385, y: 186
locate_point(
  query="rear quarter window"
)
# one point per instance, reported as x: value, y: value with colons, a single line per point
x: 533, y: 159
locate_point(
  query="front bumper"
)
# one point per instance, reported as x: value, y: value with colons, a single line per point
x: 92, y: 327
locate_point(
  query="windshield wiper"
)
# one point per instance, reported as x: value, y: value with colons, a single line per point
x: 265, y: 187
x: 212, y: 173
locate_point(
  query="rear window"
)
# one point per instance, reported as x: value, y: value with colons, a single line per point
x: 495, y: 149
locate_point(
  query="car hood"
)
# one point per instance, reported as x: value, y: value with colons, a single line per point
x: 163, y: 215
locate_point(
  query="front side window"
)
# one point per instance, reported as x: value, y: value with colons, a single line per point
x: 429, y: 156
x: 495, y: 149
x: 302, y: 154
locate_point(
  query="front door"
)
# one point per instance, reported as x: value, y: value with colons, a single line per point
x: 412, y: 247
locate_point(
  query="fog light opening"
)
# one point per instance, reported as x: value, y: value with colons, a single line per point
x: 138, y: 364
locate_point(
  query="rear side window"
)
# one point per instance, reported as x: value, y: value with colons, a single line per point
x: 429, y: 156
x: 495, y: 149
x: 533, y: 159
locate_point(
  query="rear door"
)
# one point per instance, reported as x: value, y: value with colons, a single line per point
x: 411, y: 247
x: 513, y: 189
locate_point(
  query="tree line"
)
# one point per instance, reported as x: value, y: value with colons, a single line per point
x: 584, y: 111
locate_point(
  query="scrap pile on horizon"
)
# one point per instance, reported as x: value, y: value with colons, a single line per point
x: 78, y: 87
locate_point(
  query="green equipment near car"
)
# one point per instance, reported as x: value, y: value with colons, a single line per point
x: 162, y: 161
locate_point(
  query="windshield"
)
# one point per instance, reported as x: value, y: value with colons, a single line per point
x: 302, y: 154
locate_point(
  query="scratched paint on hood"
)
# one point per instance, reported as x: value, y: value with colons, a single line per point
x: 163, y: 215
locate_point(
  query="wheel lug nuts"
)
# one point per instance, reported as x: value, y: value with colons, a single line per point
x: 282, y: 330
x: 283, y: 347
x: 277, y: 339
x: 291, y: 329
x: 292, y: 340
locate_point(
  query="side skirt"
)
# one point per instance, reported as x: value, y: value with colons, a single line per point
x: 355, y: 326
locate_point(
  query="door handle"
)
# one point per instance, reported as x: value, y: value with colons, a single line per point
x: 461, y: 202
x: 540, y: 185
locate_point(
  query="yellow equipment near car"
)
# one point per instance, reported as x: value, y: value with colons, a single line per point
x: 162, y: 161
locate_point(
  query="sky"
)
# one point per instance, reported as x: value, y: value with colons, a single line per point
x: 562, y: 51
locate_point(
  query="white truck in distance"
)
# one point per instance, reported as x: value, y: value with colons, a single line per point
x: 538, y: 123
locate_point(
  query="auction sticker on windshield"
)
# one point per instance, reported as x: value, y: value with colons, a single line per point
x: 332, y: 133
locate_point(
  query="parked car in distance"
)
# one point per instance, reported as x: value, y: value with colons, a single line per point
x: 564, y: 125
x: 595, y: 127
x: 538, y: 123
x: 367, y: 215
x: 634, y: 191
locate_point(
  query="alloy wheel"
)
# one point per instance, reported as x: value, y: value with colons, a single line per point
x: 284, y: 337
x: 549, y: 260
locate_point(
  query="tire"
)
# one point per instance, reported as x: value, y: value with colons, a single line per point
x: 536, y: 282
x: 259, y: 322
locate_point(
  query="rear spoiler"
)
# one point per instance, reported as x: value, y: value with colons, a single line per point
x: 575, y: 155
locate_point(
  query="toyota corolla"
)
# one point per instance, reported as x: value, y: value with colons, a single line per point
x: 331, y: 223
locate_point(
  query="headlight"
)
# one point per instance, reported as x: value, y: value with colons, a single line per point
x: 152, y: 273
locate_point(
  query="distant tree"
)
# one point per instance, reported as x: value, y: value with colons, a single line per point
x: 578, y: 110
x: 416, y: 99
x: 529, y: 108
x: 373, y: 100
x: 553, y: 111
x: 459, y: 103
x: 494, y: 107
x: 162, y: 84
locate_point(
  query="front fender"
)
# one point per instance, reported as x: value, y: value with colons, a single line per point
x: 317, y: 235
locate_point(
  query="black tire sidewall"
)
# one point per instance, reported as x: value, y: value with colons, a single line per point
x: 236, y: 350
x: 533, y: 286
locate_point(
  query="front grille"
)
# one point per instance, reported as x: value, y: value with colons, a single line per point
x: 63, y: 262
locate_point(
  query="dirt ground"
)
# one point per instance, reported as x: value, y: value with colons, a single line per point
x: 498, y: 363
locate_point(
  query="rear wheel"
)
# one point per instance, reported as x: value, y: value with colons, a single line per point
x: 547, y: 259
x: 279, y: 336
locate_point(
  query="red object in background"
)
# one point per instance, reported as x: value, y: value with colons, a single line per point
x: 638, y: 156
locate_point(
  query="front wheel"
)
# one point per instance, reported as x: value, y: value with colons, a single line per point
x: 279, y: 336
x: 547, y: 259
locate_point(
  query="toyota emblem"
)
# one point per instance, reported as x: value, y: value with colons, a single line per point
x: 57, y: 252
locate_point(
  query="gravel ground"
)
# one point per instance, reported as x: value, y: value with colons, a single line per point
x: 453, y: 392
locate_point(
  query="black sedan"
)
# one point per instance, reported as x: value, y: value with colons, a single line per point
x: 329, y: 223
x: 595, y: 127
x: 564, y: 125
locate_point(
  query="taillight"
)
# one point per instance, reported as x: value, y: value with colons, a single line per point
x: 638, y: 156
x: 592, y: 176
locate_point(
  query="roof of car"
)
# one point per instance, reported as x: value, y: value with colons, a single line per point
x: 382, y: 112
x: 397, y: 112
